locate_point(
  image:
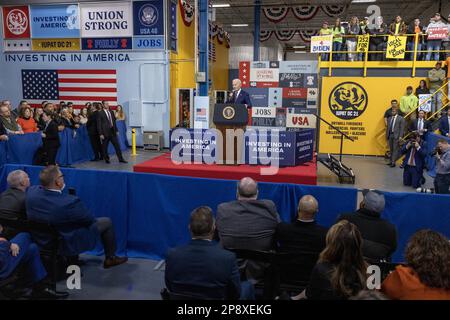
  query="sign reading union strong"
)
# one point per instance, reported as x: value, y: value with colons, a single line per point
x: 348, y: 100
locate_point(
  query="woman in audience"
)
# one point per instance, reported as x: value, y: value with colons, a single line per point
x: 422, y: 88
x: 338, y: 31
x: 340, y: 272
x: 26, y: 121
x: 352, y: 32
x: 84, y: 115
x: 120, y: 115
x: 427, y: 273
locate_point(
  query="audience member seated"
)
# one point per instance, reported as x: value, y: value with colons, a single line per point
x: 304, y: 235
x: 427, y: 273
x: 202, y: 268
x: 26, y: 121
x: 8, y: 121
x: 247, y: 223
x: 380, y: 236
x: 12, y: 201
x: 444, y: 124
x: 20, y: 253
x: 78, y: 227
x: 340, y: 272
x: 414, y: 161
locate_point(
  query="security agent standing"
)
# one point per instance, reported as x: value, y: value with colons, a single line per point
x: 414, y: 161
x: 442, y: 180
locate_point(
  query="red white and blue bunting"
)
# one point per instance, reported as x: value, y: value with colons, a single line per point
x: 288, y: 34
x: 285, y: 34
x: 265, y: 35
x: 306, y: 35
x: 334, y: 10
x: 187, y: 12
x: 276, y: 14
x: 305, y: 12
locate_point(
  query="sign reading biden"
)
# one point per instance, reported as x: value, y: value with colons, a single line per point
x: 148, y: 18
x: 106, y: 19
x: 59, y: 21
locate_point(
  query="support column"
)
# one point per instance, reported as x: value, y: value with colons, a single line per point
x: 203, y: 37
x: 257, y: 29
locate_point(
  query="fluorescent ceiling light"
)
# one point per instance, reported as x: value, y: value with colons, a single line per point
x: 221, y: 5
x: 299, y: 47
x: 299, y: 51
x: 363, y: 1
x: 240, y: 25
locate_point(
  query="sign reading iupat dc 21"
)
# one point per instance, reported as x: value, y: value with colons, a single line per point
x: 56, y: 21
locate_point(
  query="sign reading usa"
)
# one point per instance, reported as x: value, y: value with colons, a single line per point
x: 106, y: 19
x: 60, y: 21
x: 148, y: 18
x: 106, y: 43
x: 16, y: 22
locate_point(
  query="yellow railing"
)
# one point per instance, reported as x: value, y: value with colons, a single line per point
x: 413, y: 61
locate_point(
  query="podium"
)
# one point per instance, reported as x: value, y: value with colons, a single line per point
x: 230, y: 121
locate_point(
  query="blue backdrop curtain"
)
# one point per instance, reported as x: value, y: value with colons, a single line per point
x: 75, y: 146
x: 151, y: 212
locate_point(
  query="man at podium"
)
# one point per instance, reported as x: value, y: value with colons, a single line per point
x: 239, y: 96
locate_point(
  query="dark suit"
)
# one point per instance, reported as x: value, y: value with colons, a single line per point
x: 67, y: 214
x: 91, y: 127
x: 395, y: 131
x: 242, y: 98
x: 51, y: 141
x: 444, y: 125
x: 247, y: 224
x: 203, y: 268
x: 413, y: 170
x: 301, y: 237
x: 107, y: 128
x: 12, y: 205
x: 379, y: 235
x: 2, y: 130
x: 414, y: 126
x: 28, y: 258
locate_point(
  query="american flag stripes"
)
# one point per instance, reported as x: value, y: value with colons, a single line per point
x: 77, y: 86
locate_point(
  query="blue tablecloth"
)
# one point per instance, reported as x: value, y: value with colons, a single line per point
x: 75, y: 146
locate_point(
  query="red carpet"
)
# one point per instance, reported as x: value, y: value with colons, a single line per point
x: 303, y: 174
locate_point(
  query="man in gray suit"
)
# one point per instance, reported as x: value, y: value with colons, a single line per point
x: 247, y: 223
x: 395, y: 130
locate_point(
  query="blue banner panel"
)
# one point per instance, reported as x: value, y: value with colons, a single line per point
x: 259, y: 96
x: 55, y: 21
x: 173, y: 26
x: 291, y: 80
x: 148, y: 18
x: 304, y: 146
x: 148, y: 43
x: 106, y: 43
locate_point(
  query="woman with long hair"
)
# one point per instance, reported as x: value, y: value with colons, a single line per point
x: 120, y: 115
x: 26, y: 121
x: 340, y: 272
x: 422, y: 88
x: 427, y: 273
x: 352, y: 32
x: 83, y: 115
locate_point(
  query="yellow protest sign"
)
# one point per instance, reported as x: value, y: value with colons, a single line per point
x: 69, y: 44
x: 363, y: 43
x: 356, y: 106
x: 396, y: 47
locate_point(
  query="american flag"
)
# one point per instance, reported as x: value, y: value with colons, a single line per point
x: 201, y: 111
x: 77, y: 86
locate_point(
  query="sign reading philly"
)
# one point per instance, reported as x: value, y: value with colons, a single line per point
x: 55, y: 21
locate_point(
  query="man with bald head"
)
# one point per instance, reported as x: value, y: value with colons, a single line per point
x: 247, y: 223
x: 239, y: 96
x: 12, y: 201
x: 304, y: 234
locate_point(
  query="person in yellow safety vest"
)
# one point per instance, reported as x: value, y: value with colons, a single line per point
x: 409, y: 102
x: 325, y: 31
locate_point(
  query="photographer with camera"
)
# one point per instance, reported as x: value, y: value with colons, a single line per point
x: 442, y: 155
x: 414, y: 161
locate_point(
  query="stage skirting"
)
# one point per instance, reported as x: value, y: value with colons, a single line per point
x: 302, y: 174
x: 151, y: 211
x: 75, y: 146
